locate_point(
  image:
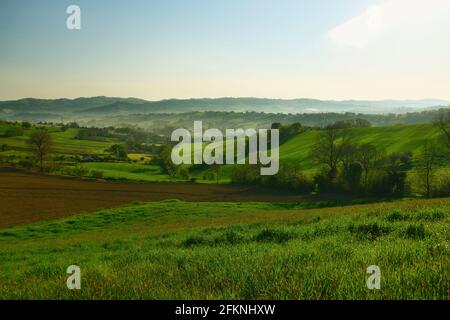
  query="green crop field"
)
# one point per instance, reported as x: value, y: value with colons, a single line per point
x: 391, y: 139
x: 178, y: 250
x: 130, y: 171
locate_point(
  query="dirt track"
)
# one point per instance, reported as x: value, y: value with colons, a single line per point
x: 27, y: 197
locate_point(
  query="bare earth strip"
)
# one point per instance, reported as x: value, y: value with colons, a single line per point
x: 30, y: 197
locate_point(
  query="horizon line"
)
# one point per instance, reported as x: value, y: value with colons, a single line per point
x: 224, y: 97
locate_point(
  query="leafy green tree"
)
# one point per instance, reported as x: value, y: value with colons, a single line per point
x: 353, y: 175
x: 119, y: 151
x: 164, y: 159
x: 246, y: 174
x: 184, y: 173
x: 13, y: 131
x: 26, y: 125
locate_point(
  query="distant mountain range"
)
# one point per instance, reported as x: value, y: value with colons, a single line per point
x: 95, y: 107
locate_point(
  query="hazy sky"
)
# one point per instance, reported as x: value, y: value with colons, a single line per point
x: 326, y: 49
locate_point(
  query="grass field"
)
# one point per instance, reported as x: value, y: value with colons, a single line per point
x: 130, y: 171
x: 391, y: 139
x: 64, y: 142
x: 180, y: 250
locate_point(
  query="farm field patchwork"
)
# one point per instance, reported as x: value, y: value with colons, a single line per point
x: 295, y: 152
x: 26, y: 197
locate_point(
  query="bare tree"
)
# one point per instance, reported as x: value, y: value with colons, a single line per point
x: 369, y: 158
x: 41, y: 143
x: 217, y: 168
x: 442, y: 121
x: 350, y: 154
x: 330, y: 146
x: 428, y: 161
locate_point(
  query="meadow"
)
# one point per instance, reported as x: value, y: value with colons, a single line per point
x: 180, y: 250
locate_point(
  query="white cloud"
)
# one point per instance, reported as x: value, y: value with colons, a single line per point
x: 390, y: 16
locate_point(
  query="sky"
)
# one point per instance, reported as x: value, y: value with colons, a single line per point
x: 324, y: 49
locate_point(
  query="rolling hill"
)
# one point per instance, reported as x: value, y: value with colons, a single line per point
x: 294, y: 152
x: 108, y: 106
x: 399, y: 138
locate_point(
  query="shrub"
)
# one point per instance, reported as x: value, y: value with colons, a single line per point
x: 246, y: 174
x: 430, y: 215
x: 209, y: 175
x: 97, y: 174
x: 442, y: 186
x: 327, y: 181
x: 119, y: 151
x: 291, y: 179
x: 302, y: 183
x: 415, y: 231
x: 397, y: 215
x: 192, y: 241
x: 370, y: 231
x: 26, y: 125
x: 383, y: 182
x: 13, y: 132
x: 183, y: 172
x: 25, y: 164
x: 60, y: 157
x: 273, y: 235
x: 79, y: 171
x: 230, y: 237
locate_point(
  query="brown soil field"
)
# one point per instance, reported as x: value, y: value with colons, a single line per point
x: 30, y: 197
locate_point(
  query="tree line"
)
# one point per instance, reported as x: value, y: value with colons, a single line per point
x: 342, y: 165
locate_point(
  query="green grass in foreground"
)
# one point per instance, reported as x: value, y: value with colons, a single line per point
x: 178, y: 250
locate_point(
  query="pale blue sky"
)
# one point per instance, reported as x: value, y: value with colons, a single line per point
x: 211, y: 48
